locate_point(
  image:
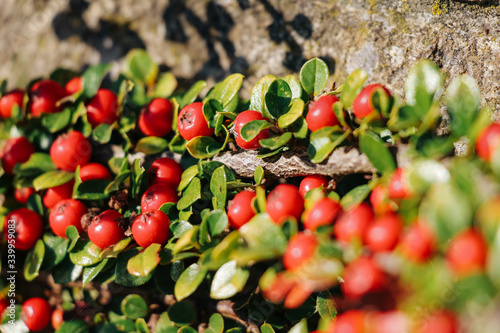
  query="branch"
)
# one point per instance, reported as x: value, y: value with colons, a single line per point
x: 292, y: 163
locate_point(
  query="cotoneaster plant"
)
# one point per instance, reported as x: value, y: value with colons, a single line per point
x: 204, y: 207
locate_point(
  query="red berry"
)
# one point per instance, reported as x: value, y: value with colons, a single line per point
x: 22, y: 194
x: 322, y: 212
x: 418, y: 243
x: 8, y: 101
x: 151, y: 227
x: 26, y: 224
x: 297, y: 296
x: 16, y: 150
x: 321, y: 113
x: 105, y: 229
x: 93, y: 171
x: 65, y: 213
x: 73, y: 86
x: 278, y: 288
x: 57, y: 318
x: 165, y: 171
x: 398, y: 189
x: 3, y: 305
x: 362, y: 276
x: 487, y: 141
x: 439, y: 322
x: 102, y: 108
x: 156, y: 195
x: 55, y: 194
x: 283, y: 202
x: 36, y: 313
x: 44, y: 97
x: 312, y: 182
x: 192, y: 122
x: 300, y: 250
x: 240, y: 210
x: 352, y: 321
x: 467, y: 253
x: 242, y: 119
x: 379, y: 198
x: 70, y: 150
x: 156, y: 117
x: 389, y: 322
x: 352, y: 224
x: 383, y: 233
x: 362, y: 105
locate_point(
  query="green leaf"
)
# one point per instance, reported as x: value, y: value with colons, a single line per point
x: 228, y: 280
x: 55, y: 250
x: 294, y: 112
x: 259, y: 91
x: 190, y: 194
x: 182, y: 313
x: 216, y: 322
x: 35, y: 203
x: 294, y: 85
x: 277, y: 141
x: 463, y: 99
x: 447, y: 210
x: 92, y: 79
x: 36, y: 165
x: 142, y: 326
x: 217, y: 222
x: 266, y: 328
x: 299, y: 128
x: 189, y: 281
x: 93, y: 189
x: 230, y: 87
x: 203, y: 147
x: 52, y: 179
x: 258, y: 175
x: 326, y: 305
x: 186, y: 329
x: 210, y: 109
x: 73, y: 326
x: 352, y: 86
x: 423, y: 86
x: 134, y: 306
x: 376, y: 151
x: 91, y: 272
x: 324, y: 141
x: 123, y: 277
x: 33, y: 261
x: 114, y: 250
x: 54, y: 122
x: 170, y: 209
x: 165, y: 86
x: 141, y: 67
x: 151, y: 145
x: 261, y: 232
x: 193, y: 92
x: 66, y: 272
x: 278, y: 98
x: 218, y: 187
x: 85, y: 254
x: 338, y: 109
x: 301, y: 327
x: 115, y: 184
x: 313, y: 76
x: 251, y: 129
x: 144, y: 263
x: 138, y: 172
x: 73, y: 236
x: 102, y: 133
x: 187, y: 241
x: 187, y: 176
x: 355, y: 196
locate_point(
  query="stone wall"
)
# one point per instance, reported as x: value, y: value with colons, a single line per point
x: 208, y: 39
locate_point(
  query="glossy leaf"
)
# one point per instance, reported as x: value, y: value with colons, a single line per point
x: 202, y: 147
x: 33, y: 261
x: 187, y: 176
x: 355, y: 196
x: 258, y: 175
x: 123, y: 277
x: 228, y: 280
x: 277, y: 141
x: 141, y: 67
x: 73, y: 236
x: 166, y: 85
x: 189, y: 281
x: 352, y: 86
x: 218, y: 187
x: 463, y: 99
x: 55, y: 250
x: 37, y: 164
x: 52, y: 179
x: 85, y: 254
x: 190, y: 194
x: 134, y: 306
x: 423, y: 86
x: 144, y: 263
x: 278, y: 98
x: 259, y: 91
x: 193, y: 92
x: 293, y: 113
x: 376, y: 151
x: 54, y: 122
x: 182, y: 313
x: 92, y: 79
x: 151, y: 145
x: 251, y: 129
x: 313, y: 76
x: 102, y: 133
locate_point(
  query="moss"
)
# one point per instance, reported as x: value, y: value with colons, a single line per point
x: 399, y: 20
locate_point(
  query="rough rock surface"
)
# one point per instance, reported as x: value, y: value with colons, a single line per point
x: 211, y: 38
